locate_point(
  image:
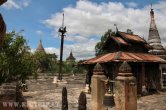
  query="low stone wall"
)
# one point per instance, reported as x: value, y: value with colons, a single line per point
x: 11, y: 97
x: 8, y: 96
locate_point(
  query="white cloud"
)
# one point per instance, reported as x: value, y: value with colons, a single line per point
x: 90, y: 20
x: 76, y: 38
x: 132, y: 4
x: 39, y: 32
x: 78, y: 50
x: 52, y: 50
x: 18, y: 4
x: 32, y: 50
x: 82, y: 50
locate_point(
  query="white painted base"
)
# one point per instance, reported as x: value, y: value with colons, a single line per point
x: 87, y: 90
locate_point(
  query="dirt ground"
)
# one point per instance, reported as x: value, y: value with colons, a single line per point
x: 44, y: 95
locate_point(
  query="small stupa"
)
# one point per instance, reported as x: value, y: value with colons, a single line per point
x: 154, y: 38
x: 71, y: 58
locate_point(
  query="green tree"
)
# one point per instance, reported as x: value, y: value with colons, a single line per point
x: 68, y: 67
x: 45, y: 62
x: 99, y: 45
x: 53, y: 63
x: 42, y: 61
x: 15, y: 58
x: 52, y: 57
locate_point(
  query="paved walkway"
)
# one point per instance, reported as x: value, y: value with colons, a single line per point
x: 152, y: 102
x: 44, y: 95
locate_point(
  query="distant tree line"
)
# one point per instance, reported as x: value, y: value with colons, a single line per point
x: 17, y: 61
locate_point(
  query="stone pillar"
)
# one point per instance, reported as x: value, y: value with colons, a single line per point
x: 144, y: 89
x: 125, y: 89
x: 98, y: 88
x: 64, y: 99
x: 82, y: 101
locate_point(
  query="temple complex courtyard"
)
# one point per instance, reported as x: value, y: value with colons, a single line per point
x: 44, y: 95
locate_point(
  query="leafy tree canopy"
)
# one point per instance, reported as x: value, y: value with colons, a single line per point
x: 45, y: 62
x: 99, y: 45
x: 15, y: 58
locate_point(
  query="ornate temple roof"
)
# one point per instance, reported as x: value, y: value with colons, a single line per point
x: 71, y: 57
x: 40, y: 47
x: 154, y: 37
x: 128, y: 40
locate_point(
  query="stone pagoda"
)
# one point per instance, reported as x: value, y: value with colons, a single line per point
x: 154, y: 39
x: 40, y: 47
x: 71, y: 58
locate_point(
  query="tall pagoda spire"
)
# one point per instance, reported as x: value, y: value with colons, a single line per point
x: 154, y: 37
x: 40, y: 47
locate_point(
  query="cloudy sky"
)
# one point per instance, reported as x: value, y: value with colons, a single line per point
x: 86, y: 21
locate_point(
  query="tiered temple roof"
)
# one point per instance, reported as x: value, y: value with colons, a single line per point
x: 126, y: 42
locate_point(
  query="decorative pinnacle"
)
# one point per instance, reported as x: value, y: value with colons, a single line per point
x: 62, y: 29
x: 116, y: 27
x: 151, y: 6
x: 152, y: 12
x: 63, y: 20
x: 125, y: 68
x: 98, y: 70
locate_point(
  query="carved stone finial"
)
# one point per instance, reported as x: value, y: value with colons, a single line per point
x: 125, y: 68
x: 98, y: 70
x: 152, y: 13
